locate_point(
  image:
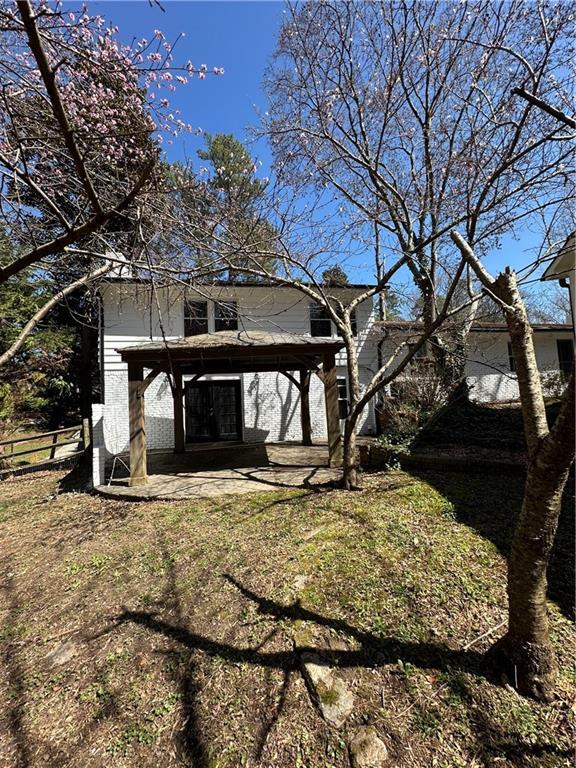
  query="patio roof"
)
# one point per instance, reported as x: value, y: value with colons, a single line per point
x: 234, y: 351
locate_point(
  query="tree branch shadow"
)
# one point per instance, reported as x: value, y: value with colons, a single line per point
x: 191, y: 744
x: 374, y: 651
x: 16, y: 676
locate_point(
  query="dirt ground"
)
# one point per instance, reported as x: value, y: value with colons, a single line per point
x: 161, y: 633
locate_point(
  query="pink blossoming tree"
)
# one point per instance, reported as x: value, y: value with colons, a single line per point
x: 82, y: 118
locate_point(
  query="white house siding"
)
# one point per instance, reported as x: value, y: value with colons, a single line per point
x: 488, y: 369
x: 271, y: 403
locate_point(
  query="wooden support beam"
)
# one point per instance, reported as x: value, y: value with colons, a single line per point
x: 178, y: 393
x: 335, y: 456
x: 138, y: 472
x: 305, y: 407
x: 150, y: 378
x: 291, y: 378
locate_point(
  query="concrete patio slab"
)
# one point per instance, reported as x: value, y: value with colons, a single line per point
x: 219, y: 470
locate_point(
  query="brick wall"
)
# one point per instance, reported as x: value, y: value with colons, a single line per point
x: 270, y: 408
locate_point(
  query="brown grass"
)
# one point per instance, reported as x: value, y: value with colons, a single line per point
x: 174, y: 623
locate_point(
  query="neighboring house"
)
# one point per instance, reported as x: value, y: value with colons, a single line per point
x: 563, y: 269
x: 490, y: 366
x: 263, y: 406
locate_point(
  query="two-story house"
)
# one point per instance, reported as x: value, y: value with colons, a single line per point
x: 244, y: 406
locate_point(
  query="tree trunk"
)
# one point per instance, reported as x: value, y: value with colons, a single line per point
x: 87, y: 338
x: 350, y: 466
x: 526, y: 649
x: 350, y: 476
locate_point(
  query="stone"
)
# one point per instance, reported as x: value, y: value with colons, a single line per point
x: 330, y: 692
x: 366, y: 749
x: 62, y: 654
x: 300, y: 582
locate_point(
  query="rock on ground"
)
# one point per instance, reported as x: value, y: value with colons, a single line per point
x: 330, y: 692
x: 366, y: 749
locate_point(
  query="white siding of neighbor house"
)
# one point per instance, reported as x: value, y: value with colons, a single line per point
x: 270, y: 402
x: 488, y: 369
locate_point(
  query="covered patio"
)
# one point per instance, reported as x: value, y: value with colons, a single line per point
x: 229, y: 352
x: 231, y: 469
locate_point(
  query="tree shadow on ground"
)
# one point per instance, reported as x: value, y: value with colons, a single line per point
x: 494, y: 426
x: 190, y: 743
x: 372, y: 652
x: 77, y: 480
x: 490, y: 504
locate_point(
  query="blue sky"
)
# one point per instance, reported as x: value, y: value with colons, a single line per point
x: 239, y: 36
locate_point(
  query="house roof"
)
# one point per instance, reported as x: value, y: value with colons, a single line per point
x: 236, y: 283
x: 565, y: 261
x: 234, y: 351
x: 417, y: 326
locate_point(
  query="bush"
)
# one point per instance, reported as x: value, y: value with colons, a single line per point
x: 411, y: 404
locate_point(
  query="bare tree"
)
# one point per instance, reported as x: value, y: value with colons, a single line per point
x: 526, y: 647
x: 299, y: 257
x: 404, y: 114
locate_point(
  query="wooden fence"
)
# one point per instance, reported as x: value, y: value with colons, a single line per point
x: 49, y: 443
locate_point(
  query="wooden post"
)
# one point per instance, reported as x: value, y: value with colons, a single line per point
x: 138, y: 474
x: 332, y: 414
x: 305, y: 407
x: 53, y: 449
x: 178, y: 392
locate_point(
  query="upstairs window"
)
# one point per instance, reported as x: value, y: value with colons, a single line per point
x: 565, y: 356
x: 342, y: 396
x: 195, y: 318
x: 511, y: 361
x: 320, y: 324
x: 226, y: 316
x: 353, y: 324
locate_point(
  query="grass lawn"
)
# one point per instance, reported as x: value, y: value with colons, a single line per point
x: 161, y: 634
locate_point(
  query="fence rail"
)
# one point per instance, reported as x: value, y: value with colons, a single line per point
x: 49, y: 442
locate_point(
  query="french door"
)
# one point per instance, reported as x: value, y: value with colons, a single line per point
x: 213, y: 411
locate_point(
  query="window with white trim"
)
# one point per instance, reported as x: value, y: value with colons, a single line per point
x: 195, y: 318
x: 226, y: 316
x: 342, y: 383
x: 320, y: 324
